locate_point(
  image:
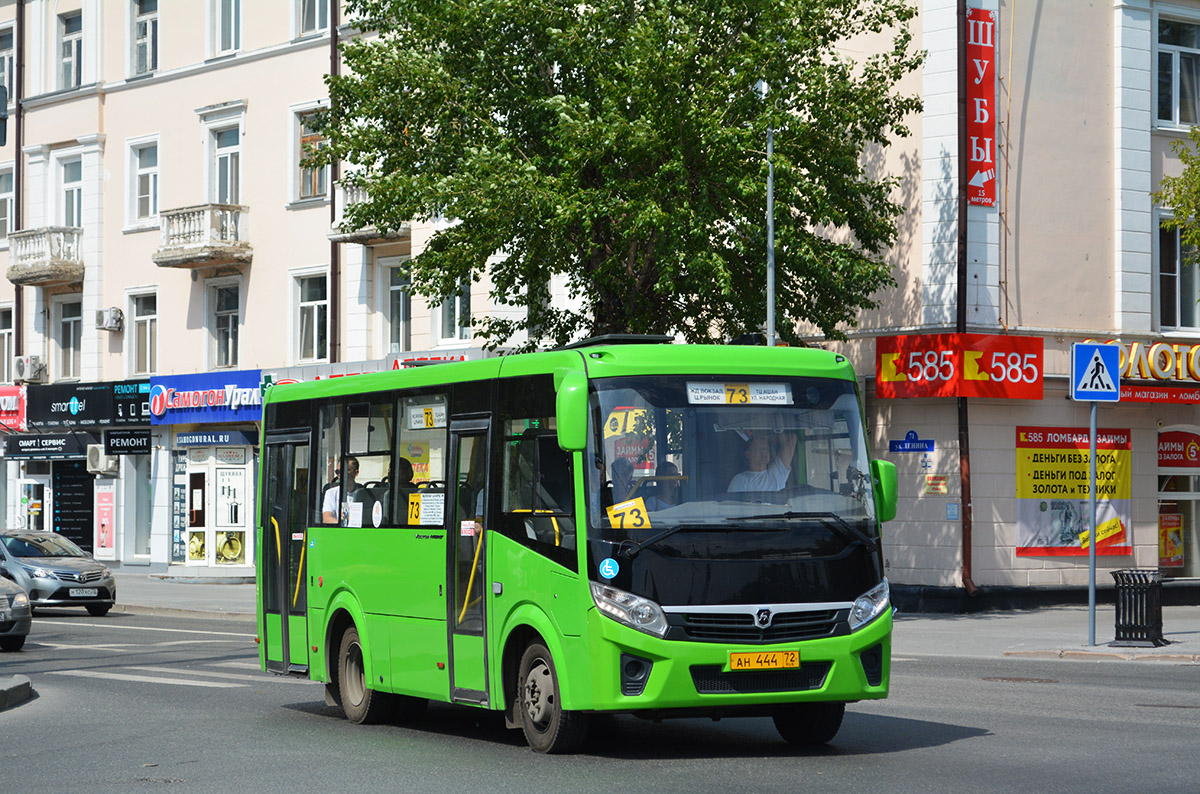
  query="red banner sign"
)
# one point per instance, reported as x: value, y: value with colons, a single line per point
x: 981, y: 107
x: 1178, y: 449
x: 12, y: 408
x: 959, y: 365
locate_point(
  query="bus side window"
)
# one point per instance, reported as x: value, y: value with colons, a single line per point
x: 329, y: 458
x: 422, y: 446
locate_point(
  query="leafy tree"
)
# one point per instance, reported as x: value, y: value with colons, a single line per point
x: 1182, y: 194
x: 622, y: 143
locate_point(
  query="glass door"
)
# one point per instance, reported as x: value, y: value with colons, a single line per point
x: 468, y: 560
x: 284, y: 531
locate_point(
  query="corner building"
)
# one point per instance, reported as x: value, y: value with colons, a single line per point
x: 1031, y: 227
x: 158, y: 234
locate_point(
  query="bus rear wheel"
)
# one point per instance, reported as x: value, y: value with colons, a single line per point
x: 547, y: 727
x: 361, y: 704
x: 810, y: 724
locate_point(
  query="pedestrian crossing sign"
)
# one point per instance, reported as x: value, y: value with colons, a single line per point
x: 1095, y: 372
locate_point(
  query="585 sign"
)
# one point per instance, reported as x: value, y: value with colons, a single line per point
x: 959, y: 365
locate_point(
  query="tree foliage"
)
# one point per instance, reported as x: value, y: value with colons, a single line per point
x: 1182, y: 194
x: 621, y: 143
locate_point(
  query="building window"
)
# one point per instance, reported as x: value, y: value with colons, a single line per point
x: 225, y: 303
x: 456, y: 314
x: 227, y: 26
x: 313, y: 317
x: 6, y: 344
x: 1178, y: 289
x: 144, y: 161
x: 145, y: 334
x: 1178, y: 71
x: 313, y: 181
x: 226, y: 165
x: 399, y: 308
x: 312, y: 16
x: 6, y: 203
x: 69, y: 338
x: 70, y: 60
x: 72, y: 192
x: 6, y: 60
x: 145, y: 36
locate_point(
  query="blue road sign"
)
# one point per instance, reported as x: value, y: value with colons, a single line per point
x: 1095, y: 372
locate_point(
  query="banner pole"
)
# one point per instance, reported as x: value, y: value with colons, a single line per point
x: 1093, y: 540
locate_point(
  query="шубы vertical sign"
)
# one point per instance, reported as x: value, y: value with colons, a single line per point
x: 981, y: 104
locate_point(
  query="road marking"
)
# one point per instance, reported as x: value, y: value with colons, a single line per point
x: 247, y: 665
x: 212, y: 673
x: 149, y: 628
x: 145, y: 679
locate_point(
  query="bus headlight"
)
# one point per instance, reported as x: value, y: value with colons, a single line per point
x: 632, y: 610
x: 869, y: 605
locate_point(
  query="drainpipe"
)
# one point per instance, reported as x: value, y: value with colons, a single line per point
x: 335, y: 261
x: 964, y: 434
x: 18, y: 172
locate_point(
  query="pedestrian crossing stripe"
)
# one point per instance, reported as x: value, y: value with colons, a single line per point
x: 1095, y: 378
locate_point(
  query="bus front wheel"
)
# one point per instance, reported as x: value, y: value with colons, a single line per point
x: 547, y: 727
x: 361, y: 704
x: 810, y: 723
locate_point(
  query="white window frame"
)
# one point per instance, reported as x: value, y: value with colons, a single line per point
x: 463, y: 332
x: 150, y: 19
x: 70, y: 194
x: 384, y: 267
x: 62, y: 355
x: 1190, y: 16
x: 321, y: 9
x: 213, y: 120
x: 231, y: 154
x: 297, y: 174
x: 6, y: 201
x: 134, y: 323
x: 133, y: 148
x: 210, y: 313
x: 7, y: 337
x: 296, y: 309
x: 74, y: 43
x: 1181, y: 273
x: 218, y: 11
x: 8, y: 59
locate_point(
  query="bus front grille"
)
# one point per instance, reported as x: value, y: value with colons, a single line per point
x: 710, y: 680
x: 740, y: 628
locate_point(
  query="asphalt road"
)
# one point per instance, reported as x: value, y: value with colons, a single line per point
x: 137, y: 702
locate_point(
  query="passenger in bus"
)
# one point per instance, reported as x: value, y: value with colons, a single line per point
x: 622, y: 479
x: 769, y: 469
x: 333, y: 496
x: 404, y: 475
x: 666, y: 493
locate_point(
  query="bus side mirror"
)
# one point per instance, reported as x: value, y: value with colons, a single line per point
x: 571, y: 412
x: 883, y: 474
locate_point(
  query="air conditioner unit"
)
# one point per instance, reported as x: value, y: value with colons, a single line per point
x: 27, y: 368
x: 98, y: 462
x: 110, y: 319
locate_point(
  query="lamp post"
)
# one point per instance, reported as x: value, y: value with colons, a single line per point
x: 762, y: 87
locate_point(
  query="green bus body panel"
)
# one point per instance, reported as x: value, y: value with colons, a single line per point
x: 297, y: 638
x: 569, y: 653
x: 316, y: 637
x: 417, y: 647
x: 468, y: 662
x: 272, y: 628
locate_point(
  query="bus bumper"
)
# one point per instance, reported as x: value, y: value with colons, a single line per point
x: 633, y: 671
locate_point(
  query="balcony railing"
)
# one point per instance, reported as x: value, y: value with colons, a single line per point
x: 46, y: 256
x: 204, y: 235
x: 346, y: 195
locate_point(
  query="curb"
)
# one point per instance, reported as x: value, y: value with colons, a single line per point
x: 131, y: 609
x: 1109, y: 656
x: 15, y: 692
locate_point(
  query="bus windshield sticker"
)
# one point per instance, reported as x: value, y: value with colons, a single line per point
x: 467, y: 528
x: 377, y: 514
x: 609, y: 568
x: 426, y: 509
x: 739, y: 393
x: 630, y: 514
x: 354, y: 514
x: 426, y: 417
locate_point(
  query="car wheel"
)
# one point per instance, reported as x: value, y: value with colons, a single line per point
x: 547, y: 726
x: 810, y: 723
x: 12, y: 643
x: 361, y: 704
x: 98, y: 610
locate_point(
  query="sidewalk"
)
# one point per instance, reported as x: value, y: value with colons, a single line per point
x: 163, y: 594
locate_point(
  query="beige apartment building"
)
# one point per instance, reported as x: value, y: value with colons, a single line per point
x: 162, y: 239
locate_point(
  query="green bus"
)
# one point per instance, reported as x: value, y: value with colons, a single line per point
x: 651, y: 529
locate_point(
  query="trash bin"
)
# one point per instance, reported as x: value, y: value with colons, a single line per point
x: 1139, y: 609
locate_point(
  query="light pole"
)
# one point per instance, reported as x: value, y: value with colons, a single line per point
x: 762, y: 87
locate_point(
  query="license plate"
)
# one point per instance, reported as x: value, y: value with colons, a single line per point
x: 770, y: 660
x: 84, y: 592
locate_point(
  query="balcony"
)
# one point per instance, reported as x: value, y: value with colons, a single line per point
x: 204, y: 236
x: 347, y: 195
x: 46, y: 257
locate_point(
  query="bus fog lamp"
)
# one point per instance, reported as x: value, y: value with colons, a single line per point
x: 632, y: 610
x: 869, y: 605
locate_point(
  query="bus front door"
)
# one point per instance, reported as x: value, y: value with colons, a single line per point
x: 467, y: 564
x: 284, y: 621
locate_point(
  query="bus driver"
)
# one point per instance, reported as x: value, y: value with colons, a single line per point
x: 767, y: 472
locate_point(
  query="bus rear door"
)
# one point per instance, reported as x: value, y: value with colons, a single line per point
x: 466, y: 539
x: 284, y: 532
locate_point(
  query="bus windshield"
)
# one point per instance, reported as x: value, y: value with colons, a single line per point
x: 727, y: 452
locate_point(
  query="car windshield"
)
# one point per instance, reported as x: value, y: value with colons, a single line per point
x: 42, y: 545
x: 728, y: 453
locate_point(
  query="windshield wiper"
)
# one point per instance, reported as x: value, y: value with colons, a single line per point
x: 831, y: 520
x: 630, y: 548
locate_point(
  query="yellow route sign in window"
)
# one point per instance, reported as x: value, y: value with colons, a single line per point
x: 630, y: 514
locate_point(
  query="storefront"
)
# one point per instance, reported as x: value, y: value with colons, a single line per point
x: 54, y: 485
x: 12, y: 420
x: 213, y: 420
